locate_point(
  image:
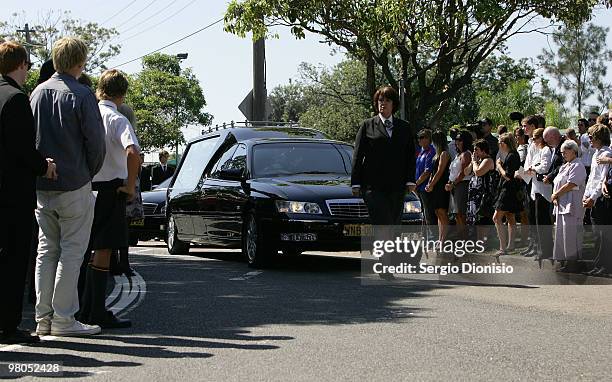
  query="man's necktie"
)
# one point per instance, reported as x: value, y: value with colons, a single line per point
x: 388, y: 124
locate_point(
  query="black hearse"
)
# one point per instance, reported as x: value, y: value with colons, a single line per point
x: 265, y: 190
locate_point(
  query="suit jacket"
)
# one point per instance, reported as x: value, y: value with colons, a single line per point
x: 555, y: 162
x: 381, y: 162
x: 158, y: 175
x: 20, y: 162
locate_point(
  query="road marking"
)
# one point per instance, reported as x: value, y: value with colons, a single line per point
x: 247, y: 276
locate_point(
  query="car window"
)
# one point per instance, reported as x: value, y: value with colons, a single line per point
x: 274, y: 159
x: 238, y: 161
x: 193, y: 164
x: 163, y: 184
x: 347, y: 155
x: 223, y: 162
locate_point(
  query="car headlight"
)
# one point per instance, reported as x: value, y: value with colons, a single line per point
x: 297, y: 207
x: 412, y: 207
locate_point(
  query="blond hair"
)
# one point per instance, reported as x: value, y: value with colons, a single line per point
x: 67, y: 53
x: 112, y: 84
x: 509, y: 140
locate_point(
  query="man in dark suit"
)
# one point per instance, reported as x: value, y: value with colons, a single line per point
x: 384, y: 161
x: 162, y: 171
x: 20, y: 163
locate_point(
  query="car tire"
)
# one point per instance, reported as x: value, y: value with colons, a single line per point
x: 254, y: 248
x: 175, y: 246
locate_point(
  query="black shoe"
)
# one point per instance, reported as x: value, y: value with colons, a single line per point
x: 530, y: 253
x: 527, y: 250
x: 112, y: 322
x: 601, y: 272
x: 18, y: 336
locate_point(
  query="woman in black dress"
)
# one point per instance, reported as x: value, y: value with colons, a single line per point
x: 439, y: 197
x: 510, y: 194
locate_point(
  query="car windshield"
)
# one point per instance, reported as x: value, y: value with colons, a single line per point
x: 274, y: 159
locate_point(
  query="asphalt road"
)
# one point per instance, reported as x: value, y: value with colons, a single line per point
x: 208, y: 317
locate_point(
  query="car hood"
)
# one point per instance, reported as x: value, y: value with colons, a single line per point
x: 305, y: 187
x: 156, y: 196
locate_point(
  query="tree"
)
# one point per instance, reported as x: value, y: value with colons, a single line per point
x: 56, y: 24
x: 165, y: 99
x: 287, y: 102
x: 579, y: 65
x: 518, y: 96
x: 437, y: 45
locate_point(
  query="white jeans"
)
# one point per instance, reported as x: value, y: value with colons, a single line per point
x: 65, y: 219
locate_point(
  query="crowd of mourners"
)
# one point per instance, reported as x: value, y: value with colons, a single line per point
x: 70, y: 165
x: 556, y: 184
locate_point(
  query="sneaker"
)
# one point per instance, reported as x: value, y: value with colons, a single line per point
x: 44, y: 327
x: 75, y: 329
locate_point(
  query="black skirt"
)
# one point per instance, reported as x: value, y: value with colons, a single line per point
x: 109, y: 229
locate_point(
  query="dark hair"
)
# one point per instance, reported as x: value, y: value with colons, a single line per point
x: 12, y: 56
x: 389, y: 93
x: 468, y: 142
x: 532, y: 120
x: 426, y: 133
x: 482, y: 145
x: 502, y: 129
x: 46, y: 71
x: 603, y: 119
x: 541, y: 121
x: 438, y: 139
x: 84, y: 79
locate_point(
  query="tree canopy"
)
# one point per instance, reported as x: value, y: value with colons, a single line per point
x: 165, y: 98
x: 53, y: 25
x: 436, y: 46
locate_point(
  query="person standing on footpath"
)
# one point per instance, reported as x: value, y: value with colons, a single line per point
x: 69, y: 129
x: 20, y: 164
x: 384, y: 164
x: 109, y: 230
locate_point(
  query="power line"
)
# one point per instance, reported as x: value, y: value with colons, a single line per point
x: 118, y: 13
x: 131, y: 18
x: 150, y: 17
x: 172, y: 43
x: 159, y: 23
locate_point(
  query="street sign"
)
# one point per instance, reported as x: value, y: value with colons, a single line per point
x: 246, y: 106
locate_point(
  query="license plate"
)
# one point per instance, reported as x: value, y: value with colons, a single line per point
x: 137, y: 223
x: 353, y: 230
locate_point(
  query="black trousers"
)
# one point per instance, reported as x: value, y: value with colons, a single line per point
x: 543, y: 216
x: 385, y: 208
x: 15, y: 240
x: 601, y: 219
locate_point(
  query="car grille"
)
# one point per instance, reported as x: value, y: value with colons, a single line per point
x: 149, y: 208
x: 348, y: 208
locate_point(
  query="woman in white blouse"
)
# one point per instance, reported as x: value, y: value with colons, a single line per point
x: 541, y: 193
x: 458, y: 181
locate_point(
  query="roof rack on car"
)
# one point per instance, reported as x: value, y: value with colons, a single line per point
x: 247, y: 124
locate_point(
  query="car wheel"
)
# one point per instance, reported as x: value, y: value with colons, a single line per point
x: 175, y: 246
x: 257, y: 253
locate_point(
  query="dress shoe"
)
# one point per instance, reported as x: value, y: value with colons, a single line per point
x: 527, y: 250
x: 530, y: 253
x: 113, y: 322
x: 592, y: 271
x: 601, y: 272
x: 18, y: 336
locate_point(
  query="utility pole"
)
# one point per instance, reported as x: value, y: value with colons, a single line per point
x: 259, y: 81
x: 28, y: 38
x: 180, y: 57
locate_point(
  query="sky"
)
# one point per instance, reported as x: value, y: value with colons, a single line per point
x: 221, y: 61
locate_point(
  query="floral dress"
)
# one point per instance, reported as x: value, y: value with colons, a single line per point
x: 481, y: 197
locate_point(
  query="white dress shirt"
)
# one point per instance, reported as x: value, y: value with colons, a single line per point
x: 119, y: 136
x: 532, y: 151
x: 586, y: 150
x: 597, y: 175
x: 542, y: 161
x: 383, y: 119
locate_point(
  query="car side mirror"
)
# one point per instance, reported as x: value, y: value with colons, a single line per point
x: 232, y: 174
